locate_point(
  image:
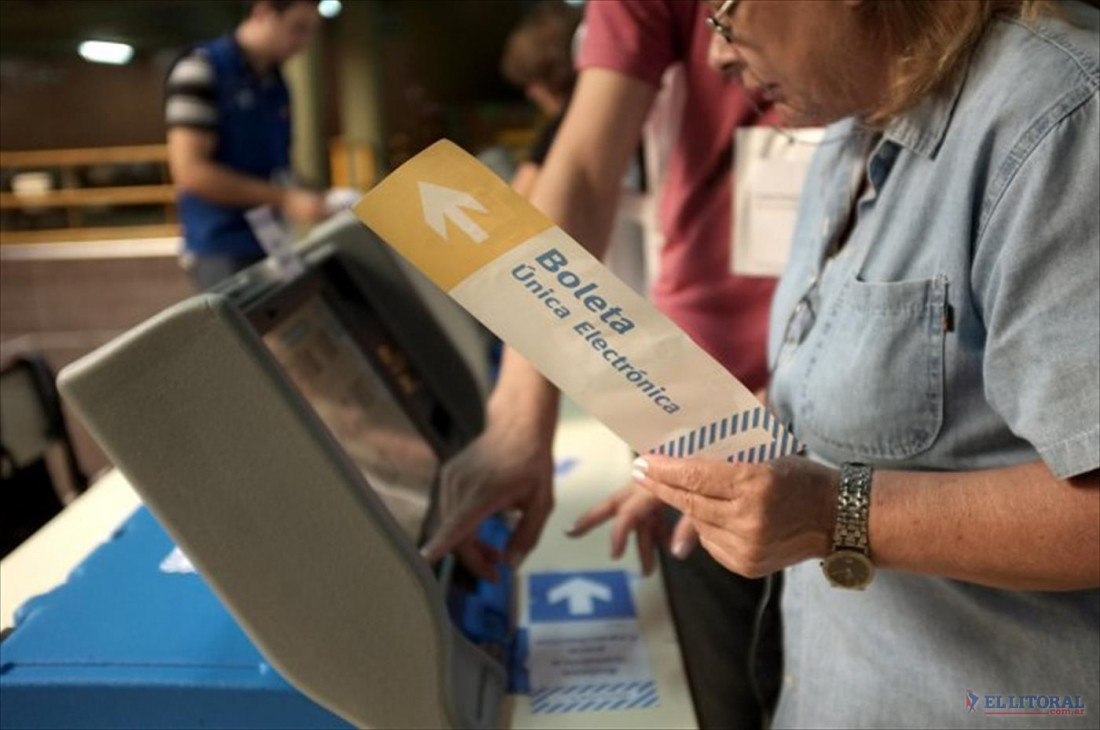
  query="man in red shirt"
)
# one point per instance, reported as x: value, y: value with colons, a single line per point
x: 627, y: 47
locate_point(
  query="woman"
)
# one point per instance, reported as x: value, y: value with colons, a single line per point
x: 935, y: 343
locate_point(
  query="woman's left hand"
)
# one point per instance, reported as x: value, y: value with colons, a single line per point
x: 755, y: 519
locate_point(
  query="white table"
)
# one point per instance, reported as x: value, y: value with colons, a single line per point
x: 44, y: 560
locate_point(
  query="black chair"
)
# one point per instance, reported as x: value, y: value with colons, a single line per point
x: 39, y: 472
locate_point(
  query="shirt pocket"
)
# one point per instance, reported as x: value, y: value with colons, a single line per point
x: 874, y: 384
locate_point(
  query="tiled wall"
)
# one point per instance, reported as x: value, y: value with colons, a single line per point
x: 65, y: 308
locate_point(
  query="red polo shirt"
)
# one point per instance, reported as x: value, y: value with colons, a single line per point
x: 726, y: 314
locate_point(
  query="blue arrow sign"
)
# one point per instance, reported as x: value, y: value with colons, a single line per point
x: 579, y: 596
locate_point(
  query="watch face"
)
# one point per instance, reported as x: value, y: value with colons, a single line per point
x: 848, y: 569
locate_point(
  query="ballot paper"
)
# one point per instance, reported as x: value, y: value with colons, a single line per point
x: 544, y: 295
x: 274, y: 239
x: 340, y: 199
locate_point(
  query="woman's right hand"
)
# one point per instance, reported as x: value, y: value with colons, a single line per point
x: 636, y: 510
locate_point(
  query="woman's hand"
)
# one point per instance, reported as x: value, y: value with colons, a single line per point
x: 755, y: 519
x: 636, y: 510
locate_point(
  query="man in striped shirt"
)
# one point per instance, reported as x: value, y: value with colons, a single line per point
x: 227, y: 110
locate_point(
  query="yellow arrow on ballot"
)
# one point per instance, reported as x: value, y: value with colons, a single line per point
x: 443, y: 186
x: 442, y: 203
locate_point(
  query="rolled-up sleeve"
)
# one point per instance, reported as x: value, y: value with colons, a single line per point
x: 191, y: 94
x: 638, y: 38
x: 1037, y: 281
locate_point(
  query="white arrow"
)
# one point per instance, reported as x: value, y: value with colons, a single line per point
x: 441, y: 203
x: 580, y: 593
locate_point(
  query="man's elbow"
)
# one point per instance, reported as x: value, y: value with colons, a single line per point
x: 187, y: 179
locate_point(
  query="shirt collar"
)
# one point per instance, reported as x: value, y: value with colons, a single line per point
x: 922, y: 128
x: 241, y: 61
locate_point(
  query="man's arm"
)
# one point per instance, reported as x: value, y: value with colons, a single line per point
x: 190, y: 160
x: 523, y: 182
x: 578, y: 188
x: 509, y: 466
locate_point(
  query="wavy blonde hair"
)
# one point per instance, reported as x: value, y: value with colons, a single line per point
x: 932, y: 40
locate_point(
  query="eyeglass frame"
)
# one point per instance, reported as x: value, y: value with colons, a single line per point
x: 717, y: 20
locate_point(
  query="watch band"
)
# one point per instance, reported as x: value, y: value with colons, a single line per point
x: 852, y: 507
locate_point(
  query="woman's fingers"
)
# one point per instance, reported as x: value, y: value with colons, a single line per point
x: 646, y: 546
x: 715, y: 479
x: 684, y: 538
x: 594, y: 517
x: 697, y: 506
x: 624, y: 524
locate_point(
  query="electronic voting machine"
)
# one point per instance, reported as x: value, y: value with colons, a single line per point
x: 287, y: 432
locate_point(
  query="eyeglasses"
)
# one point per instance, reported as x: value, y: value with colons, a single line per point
x: 719, y: 21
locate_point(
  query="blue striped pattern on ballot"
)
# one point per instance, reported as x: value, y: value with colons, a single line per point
x: 595, y: 697
x: 782, y: 442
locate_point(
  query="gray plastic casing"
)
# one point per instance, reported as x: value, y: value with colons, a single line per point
x: 197, y: 415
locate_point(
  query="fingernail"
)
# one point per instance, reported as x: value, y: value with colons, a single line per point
x: 641, y: 465
x: 638, y: 476
x: 680, y: 549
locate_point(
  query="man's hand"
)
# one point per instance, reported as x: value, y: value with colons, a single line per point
x: 303, y: 206
x: 509, y: 467
x: 636, y: 510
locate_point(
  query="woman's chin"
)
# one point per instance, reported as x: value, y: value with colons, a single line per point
x: 797, y: 116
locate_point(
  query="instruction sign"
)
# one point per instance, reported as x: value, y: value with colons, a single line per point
x: 585, y: 647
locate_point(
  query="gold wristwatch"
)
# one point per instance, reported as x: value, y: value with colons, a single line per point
x: 849, y: 564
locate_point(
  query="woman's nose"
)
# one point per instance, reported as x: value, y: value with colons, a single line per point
x: 723, y: 57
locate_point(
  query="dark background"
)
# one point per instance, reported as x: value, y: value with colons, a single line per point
x: 438, y: 62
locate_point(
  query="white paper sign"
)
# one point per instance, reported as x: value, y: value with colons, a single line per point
x: 769, y: 168
x: 586, y: 652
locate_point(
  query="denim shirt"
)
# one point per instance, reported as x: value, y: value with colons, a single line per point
x: 957, y: 329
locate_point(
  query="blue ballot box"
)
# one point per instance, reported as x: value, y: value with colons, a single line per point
x: 135, y: 638
x: 133, y: 641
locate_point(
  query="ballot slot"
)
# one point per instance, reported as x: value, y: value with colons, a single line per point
x: 342, y: 359
x: 347, y: 363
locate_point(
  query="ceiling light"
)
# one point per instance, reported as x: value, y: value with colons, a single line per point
x: 106, y: 52
x: 330, y: 8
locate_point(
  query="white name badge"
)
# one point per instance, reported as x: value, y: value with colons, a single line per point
x: 541, y: 292
x: 769, y: 169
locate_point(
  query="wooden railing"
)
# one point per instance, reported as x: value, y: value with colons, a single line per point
x: 353, y: 165
x: 74, y: 198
